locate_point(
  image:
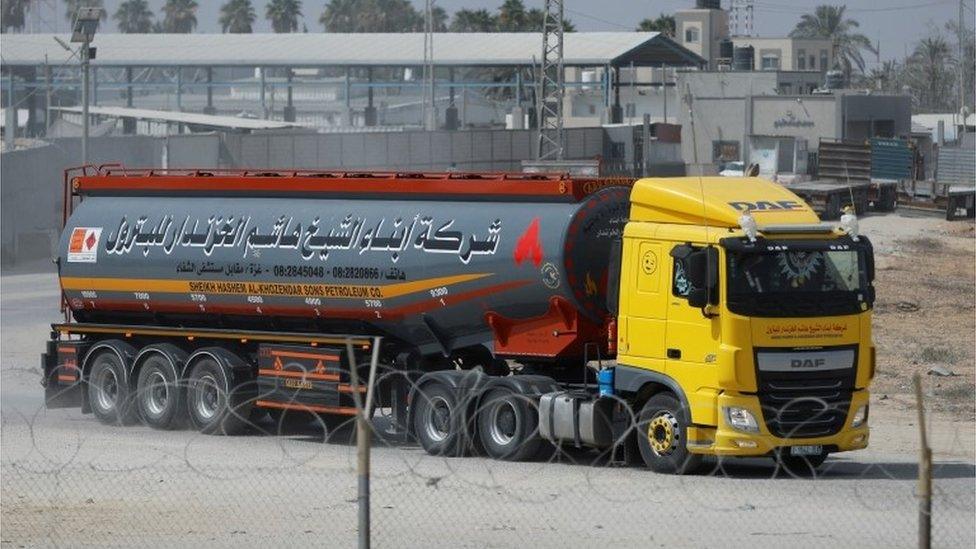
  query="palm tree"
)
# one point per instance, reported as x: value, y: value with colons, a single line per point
x: 371, y: 16
x: 931, y: 73
x: 133, y: 16
x: 473, y: 21
x: 71, y: 8
x: 14, y: 14
x: 284, y: 15
x: 512, y: 16
x: 180, y: 16
x: 828, y: 22
x: 533, y: 22
x: 237, y: 16
x: 340, y: 16
x: 664, y: 24
x: 440, y: 19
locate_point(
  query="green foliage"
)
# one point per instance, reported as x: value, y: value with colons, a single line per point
x: 284, y: 15
x: 179, y: 16
x: 401, y: 16
x: 13, y: 14
x: 664, y: 24
x: 237, y: 17
x: 134, y: 16
x: 829, y: 22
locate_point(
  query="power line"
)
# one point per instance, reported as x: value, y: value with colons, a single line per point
x: 787, y: 8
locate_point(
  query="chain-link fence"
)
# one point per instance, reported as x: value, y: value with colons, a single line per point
x: 68, y: 480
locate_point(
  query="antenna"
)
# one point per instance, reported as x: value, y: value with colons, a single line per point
x: 689, y: 99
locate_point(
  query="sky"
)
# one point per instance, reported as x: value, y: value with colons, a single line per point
x: 894, y: 24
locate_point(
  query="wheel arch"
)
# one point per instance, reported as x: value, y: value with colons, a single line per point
x: 176, y: 356
x: 643, y: 384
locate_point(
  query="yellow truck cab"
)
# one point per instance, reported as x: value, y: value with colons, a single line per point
x: 744, y: 324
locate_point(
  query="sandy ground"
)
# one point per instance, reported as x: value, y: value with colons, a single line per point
x: 66, y: 480
x: 924, y: 314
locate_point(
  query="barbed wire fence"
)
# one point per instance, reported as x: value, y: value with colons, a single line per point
x: 68, y: 480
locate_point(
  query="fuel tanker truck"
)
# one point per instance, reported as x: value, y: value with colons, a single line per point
x: 662, y: 320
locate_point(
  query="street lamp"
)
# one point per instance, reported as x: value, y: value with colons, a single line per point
x: 82, y: 32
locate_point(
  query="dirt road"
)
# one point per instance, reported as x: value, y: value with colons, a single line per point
x: 66, y: 480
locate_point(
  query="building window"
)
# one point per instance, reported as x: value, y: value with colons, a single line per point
x: 770, y: 62
x: 801, y: 60
x: 631, y: 110
x: 813, y: 62
x: 823, y: 60
x: 691, y: 35
x: 725, y: 151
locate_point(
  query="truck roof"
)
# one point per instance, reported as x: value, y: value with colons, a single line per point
x: 502, y: 187
x: 717, y: 201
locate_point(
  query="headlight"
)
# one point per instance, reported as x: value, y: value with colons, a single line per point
x: 741, y: 419
x: 860, y: 416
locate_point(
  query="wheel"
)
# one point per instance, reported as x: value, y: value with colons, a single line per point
x: 108, y: 393
x: 662, y: 428
x: 214, y: 407
x: 508, y: 426
x: 799, y: 465
x: 436, y: 420
x: 159, y: 396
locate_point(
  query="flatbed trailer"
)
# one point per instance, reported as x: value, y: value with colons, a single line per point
x: 828, y: 198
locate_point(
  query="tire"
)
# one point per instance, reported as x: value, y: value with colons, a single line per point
x: 159, y: 394
x: 801, y: 466
x: 109, y: 393
x: 213, y: 405
x: 662, y: 433
x: 436, y: 420
x: 508, y: 426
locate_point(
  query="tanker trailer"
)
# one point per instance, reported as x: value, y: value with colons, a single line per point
x: 452, y: 270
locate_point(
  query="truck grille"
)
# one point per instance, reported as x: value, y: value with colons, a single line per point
x: 805, y: 404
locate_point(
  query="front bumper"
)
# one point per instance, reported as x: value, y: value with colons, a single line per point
x: 727, y: 441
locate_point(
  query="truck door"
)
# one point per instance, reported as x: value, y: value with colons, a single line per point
x: 645, y: 282
x: 691, y: 337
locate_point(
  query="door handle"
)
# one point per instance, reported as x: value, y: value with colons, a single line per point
x: 674, y: 353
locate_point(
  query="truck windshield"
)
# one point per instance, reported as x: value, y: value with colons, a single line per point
x: 797, y: 283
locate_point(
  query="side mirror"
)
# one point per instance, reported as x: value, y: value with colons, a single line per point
x: 702, y: 265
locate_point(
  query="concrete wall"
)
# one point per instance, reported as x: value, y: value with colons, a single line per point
x: 810, y: 117
x: 32, y: 178
x: 30, y: 197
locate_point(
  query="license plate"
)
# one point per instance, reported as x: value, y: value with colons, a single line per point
x: 808, y: 450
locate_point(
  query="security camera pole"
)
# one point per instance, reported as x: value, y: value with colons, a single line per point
x: 83, y: 31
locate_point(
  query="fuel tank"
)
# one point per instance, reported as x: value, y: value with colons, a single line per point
x: 437, y: 271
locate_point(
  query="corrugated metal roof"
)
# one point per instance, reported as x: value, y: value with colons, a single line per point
x: 363, y: 49
x: 184, y: 118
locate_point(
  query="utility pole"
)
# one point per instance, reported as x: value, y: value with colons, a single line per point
x: 549, y: 107
x: 429, y: 101
x: 83, y: 31
x: 85, y: 65
x: 960, y: 37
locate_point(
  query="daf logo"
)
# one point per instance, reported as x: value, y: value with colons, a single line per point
x: 807, y: 363
x: 766, y: 205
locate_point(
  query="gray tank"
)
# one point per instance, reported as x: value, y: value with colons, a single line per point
x: 431, y: 273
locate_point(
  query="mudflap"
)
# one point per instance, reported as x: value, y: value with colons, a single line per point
x: 62, y: 380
